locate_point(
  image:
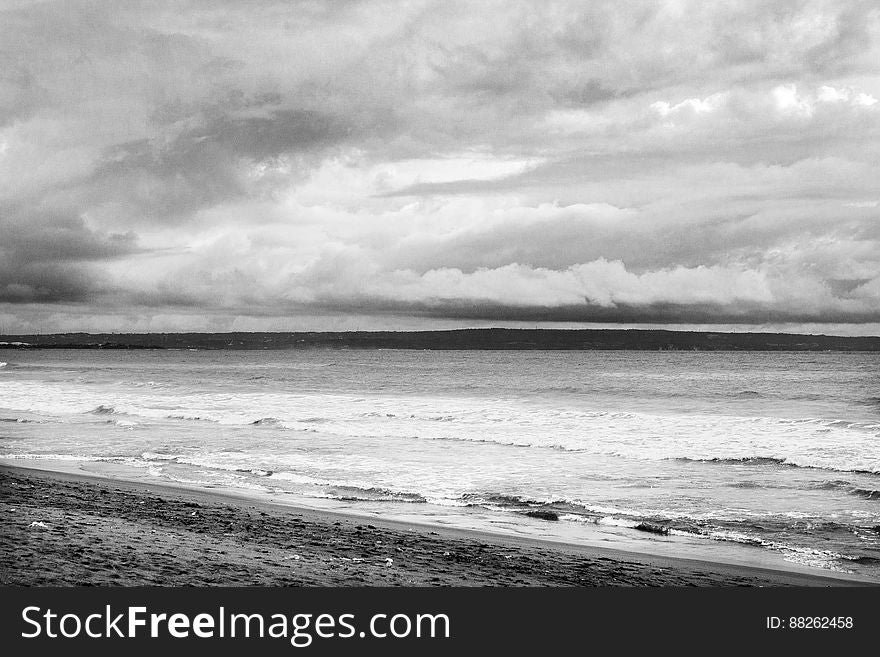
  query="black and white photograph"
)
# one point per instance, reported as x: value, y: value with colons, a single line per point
x: 435, y: 293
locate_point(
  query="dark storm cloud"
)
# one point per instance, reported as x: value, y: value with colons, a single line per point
x: 22, y: 283
x: 208, y: 164
x: 48, y: 256
x: 46, y: 236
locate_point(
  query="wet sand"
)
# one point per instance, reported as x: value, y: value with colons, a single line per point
x: 61, y: 529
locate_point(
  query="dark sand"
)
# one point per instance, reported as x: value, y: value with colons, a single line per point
x: 109, y: 532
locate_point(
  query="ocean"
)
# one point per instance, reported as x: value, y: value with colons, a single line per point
x: 756, y: 457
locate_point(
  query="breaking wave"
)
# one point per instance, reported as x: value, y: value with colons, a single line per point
x: 102, y: 409
x: 776, y: 461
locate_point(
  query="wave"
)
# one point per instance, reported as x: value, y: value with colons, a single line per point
x: 570, y: 509
x: 748, y: 394
x: 863, y: 559
x: 336, y: 489
x: 795, y: 461
x: 411, y: 416
x: 161, y: 456
x: 127, y: 460
x: 814, y: 557
x: 374, y: 494
x: 268, y: 422
x: 585, y: 390
x: 509, y: 442
x: 102, y: 409
x: 563, y: 389
x: 773, y: 460
x: 753, y: 535
x: 190, y: 418
x: 204, y: 462
x: 766, y: 533
x: 738, y: 460
x: 850, y: 488
x: 746, y: 485
x: 257, y: 471
x: 144, y: 460
x: 480, y: 499
x: 865, y: 493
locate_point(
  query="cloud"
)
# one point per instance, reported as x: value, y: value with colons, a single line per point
x: 50, y: 256
x: 225, y: 158
x: 672, y: 161
x: 598, y: 283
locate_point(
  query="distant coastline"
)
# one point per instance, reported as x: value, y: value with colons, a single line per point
x: 460, y: 339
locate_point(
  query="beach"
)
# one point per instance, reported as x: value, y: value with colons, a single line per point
x: 63, y: 529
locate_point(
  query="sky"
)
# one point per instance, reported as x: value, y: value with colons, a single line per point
x: 314, y: 165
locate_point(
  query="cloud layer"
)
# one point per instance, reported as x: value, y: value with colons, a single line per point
x: 661, y: 162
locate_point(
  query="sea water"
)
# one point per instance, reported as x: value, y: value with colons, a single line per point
x: 774, y: 452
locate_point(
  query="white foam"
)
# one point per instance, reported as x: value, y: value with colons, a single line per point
x: 617, y: 522
x: 829, y: 443
x: 129, y: 461
x: 802, y: 555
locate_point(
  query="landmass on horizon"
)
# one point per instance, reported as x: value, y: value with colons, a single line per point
x: 459, y: 339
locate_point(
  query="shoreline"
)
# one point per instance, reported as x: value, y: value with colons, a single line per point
x: 103, y: 531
